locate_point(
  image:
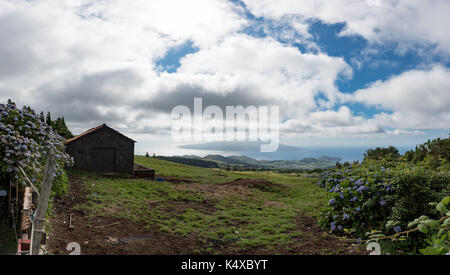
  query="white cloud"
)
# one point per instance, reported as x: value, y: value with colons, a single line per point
x: 341, y: 117
x: 419, y: 99
x: 408, y: 22
x: 280, y: 73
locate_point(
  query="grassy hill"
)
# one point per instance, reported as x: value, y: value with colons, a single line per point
x: 246, y: 163
x: 195, y: 210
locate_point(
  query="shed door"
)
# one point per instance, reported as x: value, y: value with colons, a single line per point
x: 104, y: 160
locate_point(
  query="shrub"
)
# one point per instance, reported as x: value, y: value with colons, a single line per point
x: 26, y: 141
x: 435, y: 230
x: 390, y: 153
x: 359, y: 198
x: 414, y: 189
x: 60, y: 184
x: 366, y: 198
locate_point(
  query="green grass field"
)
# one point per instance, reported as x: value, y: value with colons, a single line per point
x: 206, y: 206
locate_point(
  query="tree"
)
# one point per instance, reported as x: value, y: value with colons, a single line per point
x: 61, y: 128
x: 48, y: 119
x: 390, y: 153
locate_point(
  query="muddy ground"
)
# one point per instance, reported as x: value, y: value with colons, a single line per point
x: 109, y: 236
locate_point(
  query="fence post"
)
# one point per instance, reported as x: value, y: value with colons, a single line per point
x: 41, y: 211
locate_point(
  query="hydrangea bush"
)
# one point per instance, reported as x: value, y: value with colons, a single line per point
x: 434, y: 231
x: 370, y: 199
x: 359, y: 198
x: 26, y: 141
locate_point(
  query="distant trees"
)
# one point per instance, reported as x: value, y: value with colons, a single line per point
x: 189, y: 161
x: 389, y: 153
x: 58, y: 125
x: 435, y: 151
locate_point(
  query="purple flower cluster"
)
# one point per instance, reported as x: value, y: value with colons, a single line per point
x: 356, y: 196
x: 25, y: 141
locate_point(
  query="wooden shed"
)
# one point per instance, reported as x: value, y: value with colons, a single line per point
x: 102, y: 149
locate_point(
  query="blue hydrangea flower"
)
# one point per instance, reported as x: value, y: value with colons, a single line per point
x: 333, y: 226
x: 332, y: 201
x: 346, y: 217
x: 382, y: 202
x: 362, y: 189
x: 397, y: 229
x: 340, y: 227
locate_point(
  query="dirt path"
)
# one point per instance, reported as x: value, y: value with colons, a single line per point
x: 109, y: 236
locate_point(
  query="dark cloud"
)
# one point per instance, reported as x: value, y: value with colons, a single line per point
x: 16, y: 51
x: 82, y: 100
x: 164, y: 130
x: 184, y: 94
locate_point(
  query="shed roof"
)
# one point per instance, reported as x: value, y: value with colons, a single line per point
x: 90, y: 131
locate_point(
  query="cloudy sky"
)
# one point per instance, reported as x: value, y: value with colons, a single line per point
x: 342, y: 71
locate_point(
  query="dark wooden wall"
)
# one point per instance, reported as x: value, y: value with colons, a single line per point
x: 104, y: 151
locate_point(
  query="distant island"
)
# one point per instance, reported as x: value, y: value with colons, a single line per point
x: 236, y: 146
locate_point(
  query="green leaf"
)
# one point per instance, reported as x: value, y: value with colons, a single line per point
x: 422, y: 218
x: 432, y: 223
x: 448, y: 214
x: 389, y: 224
x: 423, y: 228
x: 413, y: 223
x: 446, y: 221
x: 446, y: 200
x: 431, y: 250
x: 441, y: 208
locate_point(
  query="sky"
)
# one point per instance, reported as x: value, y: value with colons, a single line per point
x: 344, y: 72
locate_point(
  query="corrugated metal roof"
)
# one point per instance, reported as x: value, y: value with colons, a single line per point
x: 91, y: 131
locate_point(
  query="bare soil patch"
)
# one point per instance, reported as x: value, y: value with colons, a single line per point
x: 108, y: 236
x: 260, y: 184
x: 216, y: 191
x: 176, y: 180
